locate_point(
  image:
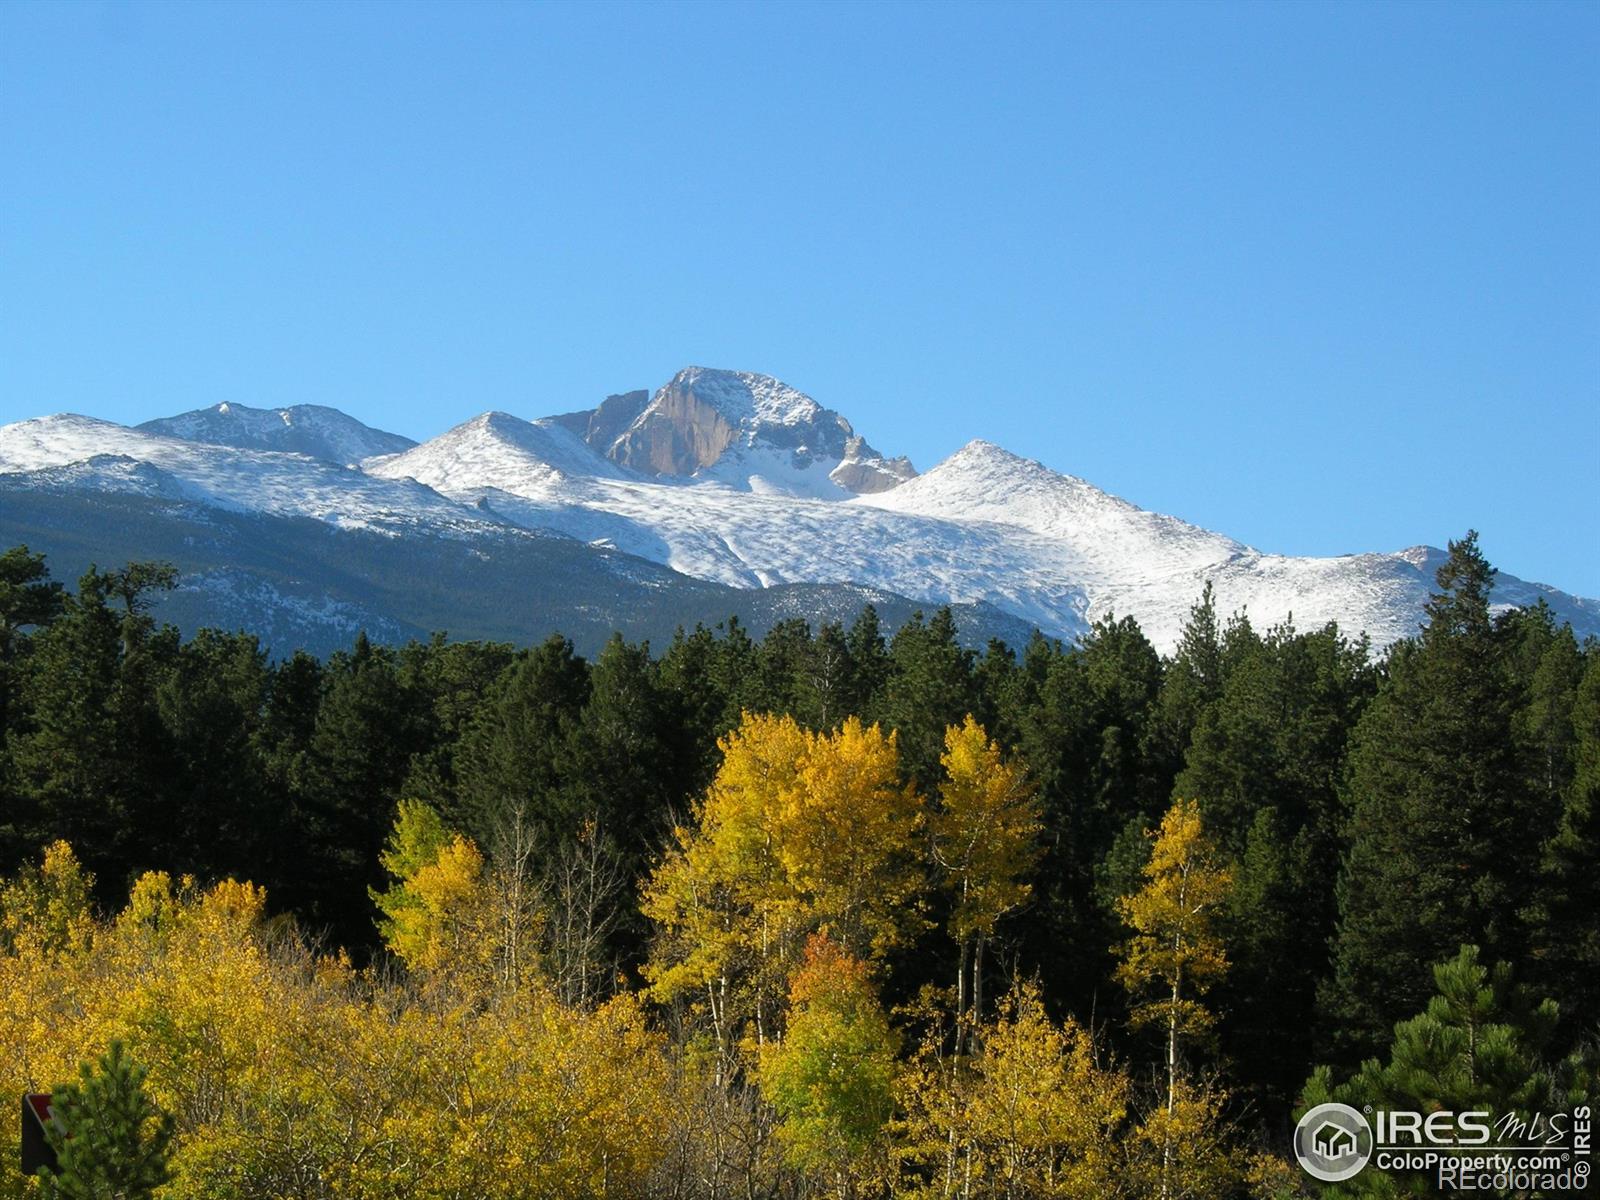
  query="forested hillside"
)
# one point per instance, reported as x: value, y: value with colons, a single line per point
x: 823, y: 914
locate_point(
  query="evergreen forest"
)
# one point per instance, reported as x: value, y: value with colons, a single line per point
x: 827, y: 913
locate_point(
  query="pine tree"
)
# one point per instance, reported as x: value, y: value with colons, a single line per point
x: 28, y: 596
x: 869, y: 660
x: 1566, y: 934
x: 110, y: 1140
x: 513, y: 762
x: 930, y: 689
x: 1443, y: 848
x: 1483, y: 1042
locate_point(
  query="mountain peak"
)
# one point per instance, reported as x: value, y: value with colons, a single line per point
x: 749, y: 431
x: 314, y: 430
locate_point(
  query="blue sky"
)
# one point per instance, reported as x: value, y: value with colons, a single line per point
x: 1321, y: 277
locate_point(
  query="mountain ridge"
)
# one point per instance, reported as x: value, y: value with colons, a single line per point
x: 731, y: 478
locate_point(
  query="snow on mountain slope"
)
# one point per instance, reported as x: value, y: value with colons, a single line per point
x: 497, y: 450
x: 111, y: 457
x: 985, y: 526
x: 311, y: 429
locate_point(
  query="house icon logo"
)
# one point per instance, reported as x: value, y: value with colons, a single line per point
x: 1333, y: 1142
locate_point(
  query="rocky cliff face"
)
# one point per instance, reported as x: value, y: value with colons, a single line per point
x: 604, y: 425
x: 714, y: 424
x: 677, y: 434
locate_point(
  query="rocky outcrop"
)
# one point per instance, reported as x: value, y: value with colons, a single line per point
x: 604, y: 425
x: 678, y: 434
x: 704, y: 417
x: 863, y: 470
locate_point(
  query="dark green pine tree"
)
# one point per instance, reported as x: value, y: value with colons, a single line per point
x: 221, y: 813
x: 87, y: 757
x: 781, y: 662
x: 29, y: 598
x: 513, y: 761
x: 110, y: 1140
x: 1192, y: 681
x: 869, y: 661
x: 736, y: 672
x: 994, y: 684
x: 689, y: 681
x: 824, y: 686
x: 1443, y: 848
x: 1481, y: 1043
x: 930, y: 688
x: 450, y: 680
x: 1264, y: 764
x: 627, y: 773
x: 1566, y: 933
x: 1085, y: 716
x: 367, y: 729
x: 1276, y: 948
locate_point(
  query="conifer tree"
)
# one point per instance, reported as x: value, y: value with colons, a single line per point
x: 1443, y: 847
x: 929, y: 689
x: 1483, y: 1042
x: 513, y: 762
x: 1566, y: 933
x: 110, y: 1140
x: 869, y: 662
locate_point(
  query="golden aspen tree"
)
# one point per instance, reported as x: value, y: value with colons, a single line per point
x: 727, y: 924
x: 984, y: 837
x: 48, y: 905
x: 831, y: 1078
x: 850, y: 845
x: 798, y: 832
x: 1030, y: 1113
x: 449, y: 913
x: 1172, y: 959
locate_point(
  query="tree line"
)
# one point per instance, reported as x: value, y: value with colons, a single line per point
x: 830, y: 912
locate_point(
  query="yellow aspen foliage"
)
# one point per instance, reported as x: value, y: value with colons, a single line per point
x: 798, y: 832
x: 985, y: 831
x: 1175, y: 954
x: 48, y: 905
x: 449, y: 915
x: 984, y: 837
x: 290, y: 1074
x: 725, y: 917
x: 1184, y: 1150
x: 1031, y: 1113
x: 849, y: 843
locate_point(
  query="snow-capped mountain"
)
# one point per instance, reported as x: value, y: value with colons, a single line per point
x: 309, y: 429
x: 103, y: 456
x: 720, y: 491
x: 748, y: 431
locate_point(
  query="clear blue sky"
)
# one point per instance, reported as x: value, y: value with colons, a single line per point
x: 1325, y: 278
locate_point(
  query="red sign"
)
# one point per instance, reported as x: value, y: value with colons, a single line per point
x: 36, y: 1152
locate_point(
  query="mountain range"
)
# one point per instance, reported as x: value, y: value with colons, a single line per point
x: 721, y: 493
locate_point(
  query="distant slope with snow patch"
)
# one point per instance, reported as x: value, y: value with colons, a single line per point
x: 309, y: 429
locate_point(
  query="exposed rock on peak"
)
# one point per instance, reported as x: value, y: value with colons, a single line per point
x: 751, y: 431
